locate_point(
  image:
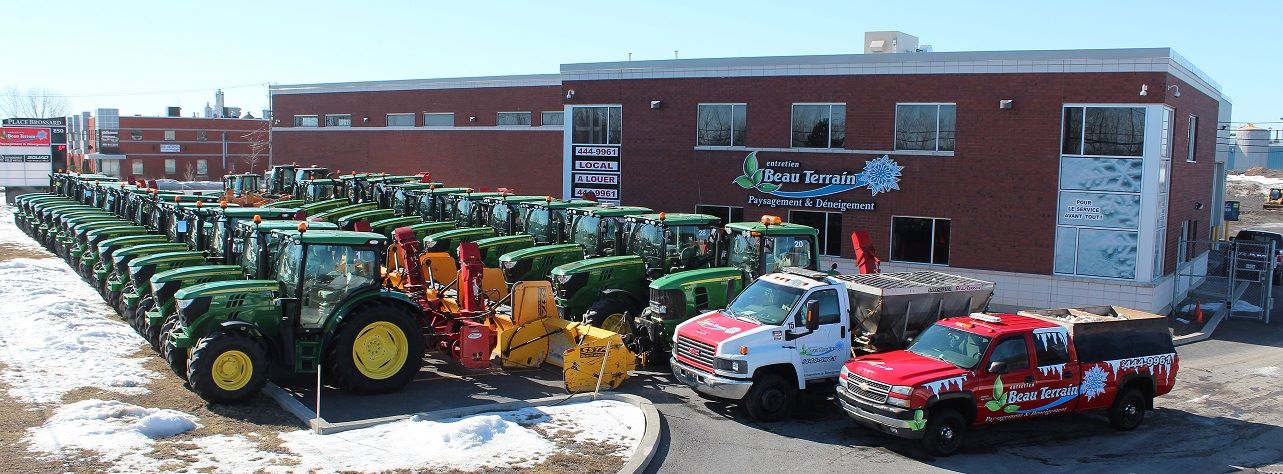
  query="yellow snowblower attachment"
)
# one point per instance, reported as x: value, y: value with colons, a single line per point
x: 590, y: 358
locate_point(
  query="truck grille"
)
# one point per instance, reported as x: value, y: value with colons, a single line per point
x: 694, y: 351
x: 861, y: 387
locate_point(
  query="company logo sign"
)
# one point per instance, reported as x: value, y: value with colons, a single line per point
x: 15, y: 136
x: 880, y: 175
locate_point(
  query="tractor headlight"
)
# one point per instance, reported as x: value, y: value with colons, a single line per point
x: 658, y: 308
x: 731, y: 365
x: 507, y: 264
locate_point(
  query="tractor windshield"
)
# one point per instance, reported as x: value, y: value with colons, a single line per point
x: 398, y: 200
x: 647, y: 241
x: 463, y: 211
x: 500, y: 219
x: 319, y: 192
x: 287, y: 263
x: 765, y: 302
x: 745, y: 253
x: 331, y: 273
x: 594, y: 234
x: 538, y: 224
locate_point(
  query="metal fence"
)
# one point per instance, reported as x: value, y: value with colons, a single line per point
x: 1235, y: 276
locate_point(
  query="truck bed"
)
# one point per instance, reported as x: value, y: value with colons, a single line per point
x: 1102, y: 333
x: 887, y: 309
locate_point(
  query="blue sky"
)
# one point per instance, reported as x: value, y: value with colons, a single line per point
x: 143, y: 56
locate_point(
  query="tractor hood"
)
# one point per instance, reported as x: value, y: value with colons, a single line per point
x: 905, y: 368
x: 200, y: 271
x: 225, y: 287
x: 596, y: 263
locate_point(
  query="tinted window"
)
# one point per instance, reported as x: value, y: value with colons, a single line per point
x: 1012, y: 351
x: 1051, y: 349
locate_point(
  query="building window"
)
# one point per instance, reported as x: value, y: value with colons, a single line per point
x: 202, y: 135
x: 728, y: 214
x: 1104, y: 131
x: 513, y: 118
x: 597, y: 125
x: 169, y: 135
x: 828, y: 223
x: 819, y: 125
x: 202, y: 167
x: 438, y: 120
x: 721, y: 124
x: 400, y: 120
x: 920, y: 240
x: 135, y: 134
x: 1191, y: 137
x: 338, y: 120
x: 171, y: 166
x: 305, y: 121
x: 928, y: 127
x: 137, y: 168
x: 552, y: 118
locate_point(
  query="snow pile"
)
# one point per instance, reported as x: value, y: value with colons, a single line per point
x: 11, y: 234
x: 176, y: 185
x: 478, y: 442
x: 59, y: 336
x: 1240, y: 185
x: 112, y: 429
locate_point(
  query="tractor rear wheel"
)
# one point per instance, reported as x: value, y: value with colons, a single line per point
x: 227, y: 367
x: 612, y: 313
x: 378, y: 348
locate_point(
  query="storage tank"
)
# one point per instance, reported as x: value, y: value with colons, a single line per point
x: 1252, y: 145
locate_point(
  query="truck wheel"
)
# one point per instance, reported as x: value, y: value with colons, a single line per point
x: 227, y: 367
x: 1128, y: 410
x: 944, y: 432
x: 176, y: 357
x: 770, y: 398
x: 378, y: 348
x: 610, y: 313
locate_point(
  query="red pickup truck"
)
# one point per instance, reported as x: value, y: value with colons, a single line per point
x: 972, y: 371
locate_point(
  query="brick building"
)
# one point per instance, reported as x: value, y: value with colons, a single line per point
x: 1067, y: 177
x: 182, y: 148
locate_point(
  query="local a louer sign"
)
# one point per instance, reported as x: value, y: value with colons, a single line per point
x: 811, y: 188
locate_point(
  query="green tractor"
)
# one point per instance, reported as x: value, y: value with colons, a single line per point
x: 239, y: 185
x: 117, y: 278
x: 469, y: 209
x: 503, y: 213
x: 333, y: 215
x: 83, y: 256
x: 751, y: 249
x: 434, y: 206
x: 326, y: 307
x: 361, y: 220
x: 406, y: 197
x: 593, y: 232
x: 317, y: 190
x: 103, y: 263
x: 546, y: 221
x: 383, y: 188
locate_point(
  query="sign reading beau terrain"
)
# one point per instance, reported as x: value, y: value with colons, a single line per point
x: 811, y: 188
x: 595, y: 168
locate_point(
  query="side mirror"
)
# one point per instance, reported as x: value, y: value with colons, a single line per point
x: 997, y: 367
x: 812, y: 315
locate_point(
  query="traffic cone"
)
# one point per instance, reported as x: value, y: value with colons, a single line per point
x: 1198, y: 313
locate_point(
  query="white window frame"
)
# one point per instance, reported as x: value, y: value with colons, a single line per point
x: 298, y: 123
x: 387, y: 119
x: 438, y: 114
x: 829, y: 141
x: 337, y: 116
x: 135, y: 135
x: 171, y: 166
x: 545, y: 113
x: 733, y: 106
x: 891, y: 240
x: 1191, y: 138
x: 530, y: 118
x: 170, y: 135
x: 895, y: 128
x: 619, y: 127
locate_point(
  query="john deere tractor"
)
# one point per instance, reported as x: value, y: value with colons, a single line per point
x: 326, y: 307
x: 239, y: 185
x: 433, y: 205
x: 593, y: 232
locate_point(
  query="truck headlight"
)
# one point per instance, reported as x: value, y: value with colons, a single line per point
x: 900, y: 390
x: 731, y: 365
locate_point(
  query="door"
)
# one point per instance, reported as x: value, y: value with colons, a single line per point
x: 330, y: 273
x: 1004, y: 395
x: 821, y: 354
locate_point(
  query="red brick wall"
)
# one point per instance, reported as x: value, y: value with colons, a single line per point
x: 1000, y: 188
x: 240, y: 136
x: 483, y: 103
x: 1191, y: 182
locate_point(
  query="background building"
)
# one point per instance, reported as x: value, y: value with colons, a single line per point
x: 1252, y: 146
x: 1067, y: 177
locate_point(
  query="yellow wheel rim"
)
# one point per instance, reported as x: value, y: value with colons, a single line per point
x: 380, y: 350
x: 232, y: 370
x: 614, y: 322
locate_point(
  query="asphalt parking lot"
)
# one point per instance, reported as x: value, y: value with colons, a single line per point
x: 1225, y: 412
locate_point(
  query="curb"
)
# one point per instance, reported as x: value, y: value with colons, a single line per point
x: 1206, y: 332
x: 640, y: 459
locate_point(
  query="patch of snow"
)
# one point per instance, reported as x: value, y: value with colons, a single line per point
x: 110, y: 428
x: 1271, y: 371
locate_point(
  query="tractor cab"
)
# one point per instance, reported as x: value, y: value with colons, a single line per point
x: 256, y: 241
x: 547, y: 221
x: 225, y: 223
x: 317, y: 190
x: 673, y: 242
x: 383, y: 186
x: 600, y: 230
x: 770, y: 245
x: 435, y: 207
x: 167, y: 213
x: 237, y: 185
x: 405, y: 197
x: 595, y: 231
x: 503, y: 213
x: 468, y: 208
x: 280, y: 179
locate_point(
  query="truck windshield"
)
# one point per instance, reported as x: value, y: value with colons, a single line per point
x: 765, y: 302
x: 959, y: 348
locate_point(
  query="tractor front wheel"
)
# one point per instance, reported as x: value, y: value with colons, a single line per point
x: 177, y: 358
x: 611, y: 313
x: 378, y: 348
x: 227, y: 367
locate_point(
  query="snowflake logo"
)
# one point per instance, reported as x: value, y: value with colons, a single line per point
x: 882, y: 175
x: 1093, y: 382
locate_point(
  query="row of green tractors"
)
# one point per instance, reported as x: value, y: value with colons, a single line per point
x: 354, y: 275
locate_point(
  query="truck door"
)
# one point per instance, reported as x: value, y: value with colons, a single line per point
x: 821, y: 354
x: 1005, y: 392
x: 1056, y: 378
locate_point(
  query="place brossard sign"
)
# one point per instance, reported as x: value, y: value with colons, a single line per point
x: 880, y: 175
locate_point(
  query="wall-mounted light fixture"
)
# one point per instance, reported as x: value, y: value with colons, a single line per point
x: 1144, y: 90
x: 570, y: 94
x: 365, y: 119
x: 1005, y: 104
x: 472, y: 118
x: 276, y: 122
x: 1198, y: 205
x: 656, y: 104
x: 1178, y: 90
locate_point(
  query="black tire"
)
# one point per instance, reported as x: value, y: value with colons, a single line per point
x: 227, y: 367
x: 175, y: 357
x: 376, y: 325
x: 770, y: 398
x: 1128, y: 410
x: 944, y: 432
x: 615, y: 309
